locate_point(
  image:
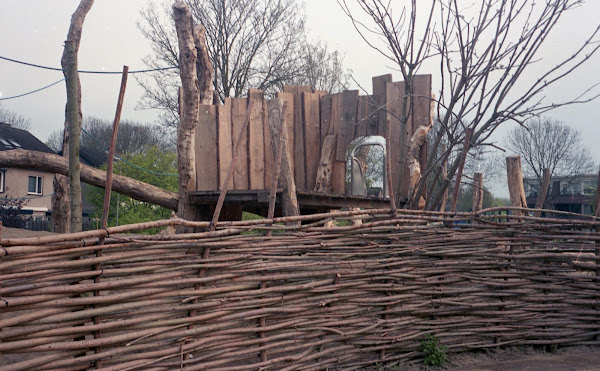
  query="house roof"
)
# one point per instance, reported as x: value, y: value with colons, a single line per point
x: 13, y: 138
x: 92, y: 156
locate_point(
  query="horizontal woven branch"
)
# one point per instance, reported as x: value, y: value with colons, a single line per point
x: 307, y: 297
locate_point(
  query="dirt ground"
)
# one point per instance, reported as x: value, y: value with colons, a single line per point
x: 506, y: 359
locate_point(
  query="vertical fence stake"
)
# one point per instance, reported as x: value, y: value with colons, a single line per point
x: 107, y: 192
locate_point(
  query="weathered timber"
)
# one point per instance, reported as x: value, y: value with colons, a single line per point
x: 312, y: 136
x: 186, y: 139
x: 396, y: 138
x: 415, y: 148
x: 288, y: 118
x: 57, y: 164
x: 325, y: 171
x: 240, y: 163
x: 380, y: 91
x: 286, y: 177
x: 225, y: 142
x: 207, y: 172
x: 515, y: 182
x: 256, y: 145
x: 298, y: 139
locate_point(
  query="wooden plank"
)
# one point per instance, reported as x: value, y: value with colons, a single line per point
x: 325, y: 171
x: 238, y: 114
x: 268, y: 145
x: 287, y: 100
x: 395, y: 140
x: 225, y: 142
x: 338, y: 182
x: 348, y: 111
x: 207, y: 170
x: 312, y: 136
x: 380, y: 89
x: 362, y: 120
x: 374, y: 111
x: 326, y: 102
x: 256, y: 138
x: 298, y: 142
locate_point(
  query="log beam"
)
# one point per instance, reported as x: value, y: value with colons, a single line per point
x: 57, y: 164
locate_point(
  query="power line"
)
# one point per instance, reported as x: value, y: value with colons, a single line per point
x: 33, y: 91
x: 122, y: 159
x: 85, y: 71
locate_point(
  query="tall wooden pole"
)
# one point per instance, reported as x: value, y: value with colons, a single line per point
x: 74, y: 118
x: 461, y: 166
x: 111, y: 151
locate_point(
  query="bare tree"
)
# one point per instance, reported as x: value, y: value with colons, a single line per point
x: 252, y: 44
x: 549, y: 143
x: 482, y: 51
x: 134, y: 137
x: 14, y: 119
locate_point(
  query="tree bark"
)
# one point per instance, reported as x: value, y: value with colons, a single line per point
x: 515, y: 183
x: 414, y: 164
x: 73, y: 123
x: 58, y: 164
x: 477, y: 192
x: 196, y: 76
x: 543, y: 191
x: 444, y: 177
x: 289, y: 199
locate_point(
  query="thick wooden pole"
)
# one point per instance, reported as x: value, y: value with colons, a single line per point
x: 461, y: 166
x: 477, y: 192
x: 275, y: 110
x: 74, y: 118
x: 543, y: 191
x: 515, y: 183
x: 190, y: 67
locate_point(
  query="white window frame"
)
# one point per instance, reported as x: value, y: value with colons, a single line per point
x: 39, y: 182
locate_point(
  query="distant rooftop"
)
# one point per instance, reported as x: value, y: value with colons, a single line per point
x: 13, y: 138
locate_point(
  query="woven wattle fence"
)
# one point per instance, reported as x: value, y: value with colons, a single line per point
x: 306, y: 298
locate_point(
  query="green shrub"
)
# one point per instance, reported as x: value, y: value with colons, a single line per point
x: 435, y: 352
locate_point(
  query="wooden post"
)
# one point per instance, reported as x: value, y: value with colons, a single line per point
x: 325, y: 171
x: 289, y: 200
x: 196, y: 76
x: 515, y: 183
x: 543, y: 191
x: 274, y: 109
x: 461, y: 166
x: 477, y: 192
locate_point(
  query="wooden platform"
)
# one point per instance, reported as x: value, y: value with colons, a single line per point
x: 257, y: 202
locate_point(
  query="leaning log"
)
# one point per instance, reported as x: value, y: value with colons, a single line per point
x: 57, y: 164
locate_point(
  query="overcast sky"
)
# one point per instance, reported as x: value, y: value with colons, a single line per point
x: 34, y: 31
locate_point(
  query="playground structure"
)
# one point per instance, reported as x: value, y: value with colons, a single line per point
x: 320, y: 129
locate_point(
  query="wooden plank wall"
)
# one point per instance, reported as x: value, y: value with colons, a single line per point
x: 310, y: 116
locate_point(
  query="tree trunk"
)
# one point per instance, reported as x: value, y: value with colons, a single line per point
x: 461, y: 165
x: 414, y: 164
x: 58, y: 164
x: 196, y: 77
x: 444, y: 177
x: 515, y: 183
x: 73, y: 117
x: 325, y: 169
x: 478, y: 192
x: 543, y: 191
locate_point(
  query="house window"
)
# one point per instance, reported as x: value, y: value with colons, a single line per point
x: 2, y: 179
x: 35, y: 185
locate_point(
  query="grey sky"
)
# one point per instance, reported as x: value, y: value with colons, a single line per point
x: 34, y: 31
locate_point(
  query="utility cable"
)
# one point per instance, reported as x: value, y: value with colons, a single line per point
x: 33, y: 91
x: 122, y: 159
x: 86, y: 71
